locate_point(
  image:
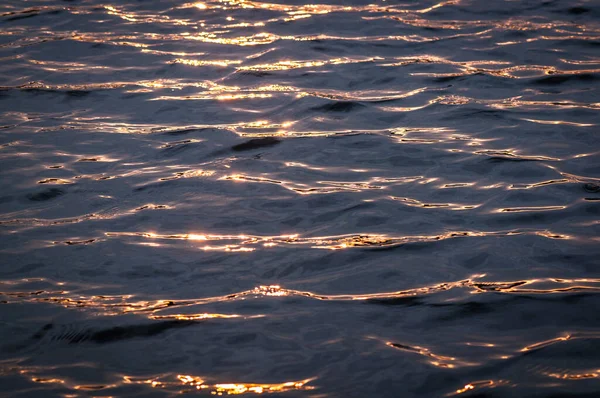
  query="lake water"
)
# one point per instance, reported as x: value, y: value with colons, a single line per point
x: 336, y: 199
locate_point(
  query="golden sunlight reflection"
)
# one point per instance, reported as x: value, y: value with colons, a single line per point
x: 499, y: 68
x: 480, y: 384
x: 198, y: 317
x: 174, y: 383
x: 26, y: 223
x: 528, y: 209
x: 449, y: 206
x: 291, y: 64
x: 325, y: 187
x: 337, y: 242
x: 434, y: 359
x: 553, y: 235
x: 184, y: 382
x: 218, y: 97
x: 113, y: 305
x: 210, y: 62
x: 511, y: 154
x: 539, y: 184
x: 559, y: 122
x: 58, y: 181
x: 590, y: 374
x: 542, y: 344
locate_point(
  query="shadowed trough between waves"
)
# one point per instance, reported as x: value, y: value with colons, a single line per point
x: 336, y: 199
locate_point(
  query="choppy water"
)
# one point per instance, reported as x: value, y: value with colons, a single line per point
x: 336, y: 199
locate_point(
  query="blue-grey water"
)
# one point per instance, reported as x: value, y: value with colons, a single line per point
x: 336, y: 199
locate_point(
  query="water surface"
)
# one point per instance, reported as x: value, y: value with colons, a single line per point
x: 342, y: 198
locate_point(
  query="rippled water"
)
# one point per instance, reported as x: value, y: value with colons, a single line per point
x: 336, y: 199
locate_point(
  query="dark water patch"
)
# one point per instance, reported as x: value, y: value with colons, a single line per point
x: 509, y: 158
x: 399, y: 246
x: 516, y: 304
x: 408, y: 161
x: 131, y: 96
x: 149, y: 272
x: 38, y: 90
x: 339, y: 106
x: 506, y: 296
x: 460, y: 113
x: 409, y: 301
x: 77, y: 93
x: 527, y: 218
x: 48, y: 194
x: 517, y: 34
x: 242, y: 338
x: 384, y: 80
x: 137, y: 331
x: 254, y: 73
x: 561, y: 79
x: 497, y: 114
x: 27, y: 268
x: 73, y: 335
x: 578, y: 10
x: 163, y: 183
x: 461, y: 77
x: 77, y: 242
x: 591, y: 187
x: 466, y: 310
x: 74, y: 93
x: 256, y: 143
x: 590, y: 208
x: 177, y: 132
